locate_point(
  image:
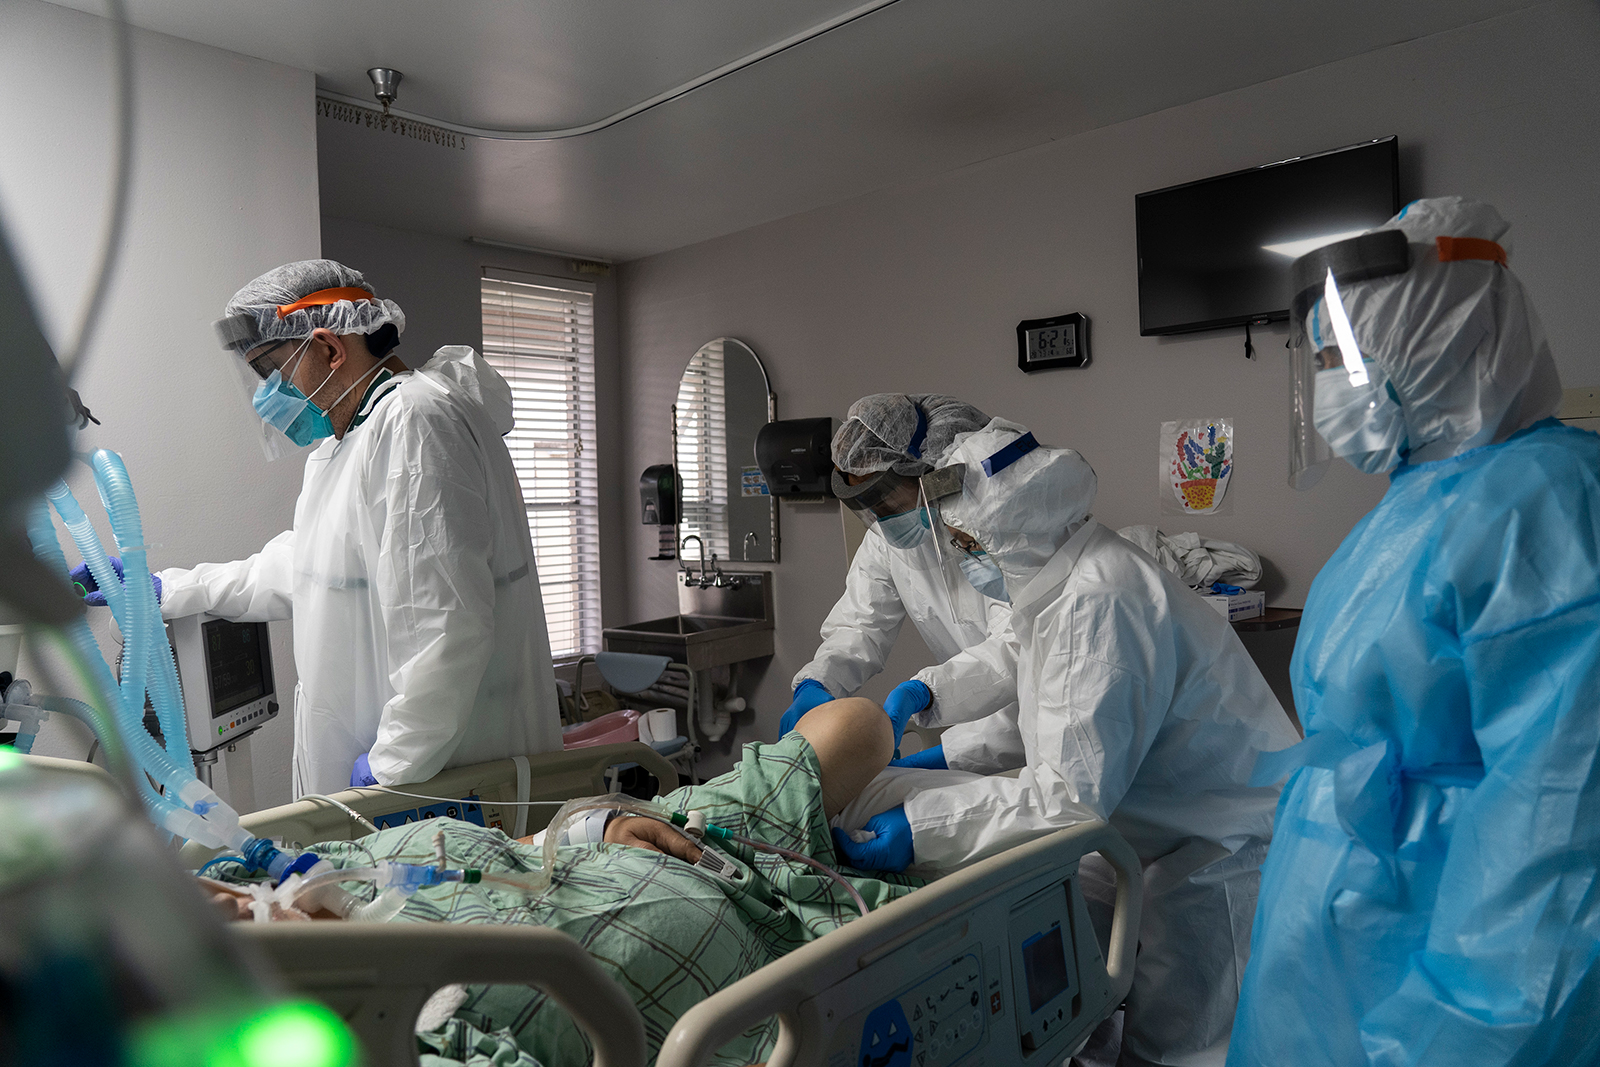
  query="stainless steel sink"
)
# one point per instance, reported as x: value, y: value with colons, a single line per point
x: 717, y: 625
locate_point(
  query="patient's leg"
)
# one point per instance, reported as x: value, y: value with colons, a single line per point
x: 854, y: 741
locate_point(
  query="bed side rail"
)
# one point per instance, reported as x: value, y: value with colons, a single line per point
x: 378, y: 976
x: 780, y: 987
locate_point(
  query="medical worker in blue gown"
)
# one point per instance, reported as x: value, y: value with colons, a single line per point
x: 1431, y: 894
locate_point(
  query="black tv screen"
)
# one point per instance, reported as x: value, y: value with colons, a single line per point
x: 1216, y: 252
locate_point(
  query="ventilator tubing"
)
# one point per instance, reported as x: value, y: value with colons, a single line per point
x: 116, y: 493
x: 183, y: 805
x: 396, y: 883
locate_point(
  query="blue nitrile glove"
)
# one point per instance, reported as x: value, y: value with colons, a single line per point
x: 1224, y: 587
x: 904, y: 701
x: 361, y: 773
x: 90, y: 589
x: 890, y: 850
x: 807, y: 695
x: 929, y: 759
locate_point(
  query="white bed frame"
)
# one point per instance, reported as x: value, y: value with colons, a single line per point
x: 378, y: 977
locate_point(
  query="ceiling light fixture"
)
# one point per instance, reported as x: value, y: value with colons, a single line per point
x: 385, y: 85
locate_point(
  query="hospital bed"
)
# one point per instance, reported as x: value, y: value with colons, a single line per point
x: 995, y: 964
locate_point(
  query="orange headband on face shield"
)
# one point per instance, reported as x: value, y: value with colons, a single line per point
x: 1455, y: 249
x: 324, y: 296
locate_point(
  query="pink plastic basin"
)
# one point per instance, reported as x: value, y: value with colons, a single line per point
x: 611, y: 729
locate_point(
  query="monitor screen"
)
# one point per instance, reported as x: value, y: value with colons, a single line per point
x: 237, y: 663
x: 1044, y: 961
x: 1216, y: 252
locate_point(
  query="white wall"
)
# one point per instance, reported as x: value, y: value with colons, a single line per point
x: 225, y: 187
x: 919, y: 289
x: 435, y: 280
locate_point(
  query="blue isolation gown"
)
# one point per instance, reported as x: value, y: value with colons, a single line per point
x: 1431, y: 894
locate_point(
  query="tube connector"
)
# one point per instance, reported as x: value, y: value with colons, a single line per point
x: 19, y: 707
x: 695, y: 825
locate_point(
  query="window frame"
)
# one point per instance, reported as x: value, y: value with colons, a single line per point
x: 533, y: 365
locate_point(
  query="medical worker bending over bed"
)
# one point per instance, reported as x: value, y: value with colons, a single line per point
x: 1137, y: 703
x: 898, y: 573
x: 419, y: 632
x: 669, y: 933
x: 1433, y: 893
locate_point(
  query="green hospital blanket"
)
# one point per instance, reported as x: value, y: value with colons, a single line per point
x: 668, y: 933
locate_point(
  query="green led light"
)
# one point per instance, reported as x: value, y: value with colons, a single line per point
x: 296, y: 1034
x: 293, y: 1033
x: 9, y: 760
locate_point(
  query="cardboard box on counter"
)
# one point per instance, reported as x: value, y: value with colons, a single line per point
x: 1236, y: 607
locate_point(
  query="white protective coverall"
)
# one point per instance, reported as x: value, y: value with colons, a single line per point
x: 885, y: 586
x: 419, y: 631
x: 1137, y: 704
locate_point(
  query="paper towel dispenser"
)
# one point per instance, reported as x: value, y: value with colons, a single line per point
x: 796, y: 457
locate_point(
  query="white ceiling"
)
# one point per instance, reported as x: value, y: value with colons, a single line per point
x: 918, y: 88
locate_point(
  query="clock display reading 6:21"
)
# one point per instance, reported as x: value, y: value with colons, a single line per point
x: 1062, y: 341
x: 1051, y: 342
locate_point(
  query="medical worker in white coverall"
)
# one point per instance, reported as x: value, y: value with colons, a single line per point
x: 419, y: 631
x: 1137, y: 703
x: 898, y: 573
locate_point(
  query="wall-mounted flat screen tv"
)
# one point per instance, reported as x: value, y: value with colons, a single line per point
x: 1216, y: 252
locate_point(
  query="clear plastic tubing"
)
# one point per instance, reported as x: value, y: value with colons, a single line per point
x: 188, y: 808
x: 156, y: 669
x: 89, y: 547
x: 395, y: 881
x: 800, y: 857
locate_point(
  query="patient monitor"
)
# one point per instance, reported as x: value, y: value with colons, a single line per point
x: 225, y: 671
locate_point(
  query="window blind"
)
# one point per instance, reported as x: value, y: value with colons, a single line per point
x: 702, y: 422
x: 539, y: 334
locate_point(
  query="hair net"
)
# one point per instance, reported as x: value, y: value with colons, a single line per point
x: 253, y: 316
x: 1025, y: 510
x: 1459, y: 341
x: 905, y: 433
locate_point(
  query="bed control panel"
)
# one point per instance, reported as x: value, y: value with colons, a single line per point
x: 1017, y: 979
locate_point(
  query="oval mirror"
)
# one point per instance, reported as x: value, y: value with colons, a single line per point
x: 724, y: 398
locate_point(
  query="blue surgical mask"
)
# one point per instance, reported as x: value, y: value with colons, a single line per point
x: 1362, y: 423
x: 984, y: 575
x: 905, y: 530
x: 282, y: 405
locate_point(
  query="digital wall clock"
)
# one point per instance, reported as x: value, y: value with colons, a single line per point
x: 1062, y: 341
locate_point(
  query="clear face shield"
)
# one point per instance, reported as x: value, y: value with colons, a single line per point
x: 255, y: 364
x: 891, y: 502
x: 256, y: 389
x: 285, y: 417
x: 899, y: 506
x: 1342, y: 402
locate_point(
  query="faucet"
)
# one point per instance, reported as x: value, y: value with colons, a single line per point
x: 704, y: 581
x: 744, y: 548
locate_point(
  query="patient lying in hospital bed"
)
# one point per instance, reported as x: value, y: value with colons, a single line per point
x: 669, y: 933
